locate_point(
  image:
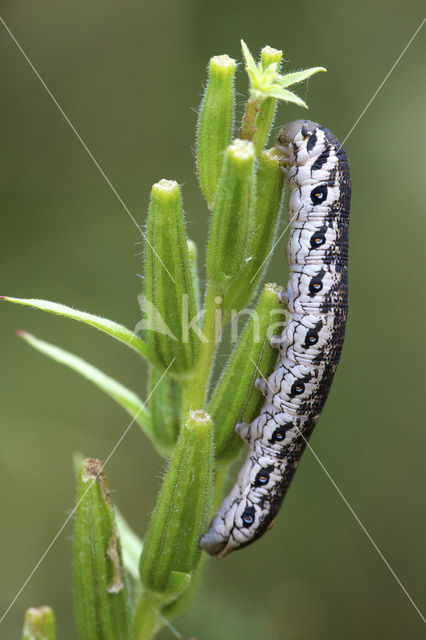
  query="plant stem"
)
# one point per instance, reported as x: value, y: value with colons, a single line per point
x: 196, y: 386
x: 146, y: 618
x: 248, y: 129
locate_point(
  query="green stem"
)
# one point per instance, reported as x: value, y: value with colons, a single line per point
x: 248, y: 128
x: 196, y: 386
x: 146, y: 618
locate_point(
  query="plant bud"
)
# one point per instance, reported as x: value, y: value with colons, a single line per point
x: 215, y: 124
x: 39, y: 624
x: 232, y: 221
x: 235, y: 399
x: 171, y: 547
x: 100, y: 590
x: 269, y: 199
x: 169, y: 298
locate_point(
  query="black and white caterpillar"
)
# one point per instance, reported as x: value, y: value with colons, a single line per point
x: 311, y: 342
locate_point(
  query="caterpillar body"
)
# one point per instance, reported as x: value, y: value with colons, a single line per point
x: 310, y: 344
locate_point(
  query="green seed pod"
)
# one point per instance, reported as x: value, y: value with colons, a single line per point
x: 164, y: 403
x: 178, y: 607
x: 266, y: 114
x: 39, y: 624
x: 269, y: 200
x: 100, y: 590
x: 234, y: 398
x: 171, y: 547
x: 215, y: 124
x: 232, y: 221
x: 169, y: 299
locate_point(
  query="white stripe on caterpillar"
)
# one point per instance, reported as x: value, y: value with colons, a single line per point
x: 310, y: 344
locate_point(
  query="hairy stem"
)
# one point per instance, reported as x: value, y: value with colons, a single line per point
x: 196, y: 386
x: 145, y: 619
x: 248, y: 128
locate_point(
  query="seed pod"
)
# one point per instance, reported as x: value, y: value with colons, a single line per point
x: 269, y: 200
x: 100, y: 590
x: 171, y: 547
x: 234, y: 398
x: 233, y: 216
x: 215, y: 124
x: 169, y: 297
x: 39, y: 624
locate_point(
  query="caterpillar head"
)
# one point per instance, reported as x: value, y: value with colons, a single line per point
x: 299, y: 140
x: 235, y: 525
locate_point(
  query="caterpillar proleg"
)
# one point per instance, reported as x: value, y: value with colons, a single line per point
x: 310, y: 345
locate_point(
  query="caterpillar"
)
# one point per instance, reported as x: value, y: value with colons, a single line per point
x: 310, y: 343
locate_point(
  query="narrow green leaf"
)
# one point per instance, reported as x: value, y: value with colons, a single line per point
x: 115, y: 390
x: 171, y: 548
x: 266, y: 83
x: 131, y: 545
x: 215, y: 124
x: 109, y: 327
x: 170, y: 307
x: 298, y: 76
x: 39, y: 624
x: 234, y: 398
x: 287, y: 96
x: 251, y: 65
x: 100, y: 590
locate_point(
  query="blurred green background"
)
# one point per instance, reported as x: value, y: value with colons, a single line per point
x: 130, y: 76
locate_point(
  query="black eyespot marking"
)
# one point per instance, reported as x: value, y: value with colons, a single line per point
x: 248, y: 517
x: 278, y: 435
x: 311, y: 142
x: 304, y: 132
x: 297, y: 388
x: 319, y: 194
x: 262, y: 478
x: 315, y: 286
x: 311, y: 338
x: 317, y: 240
